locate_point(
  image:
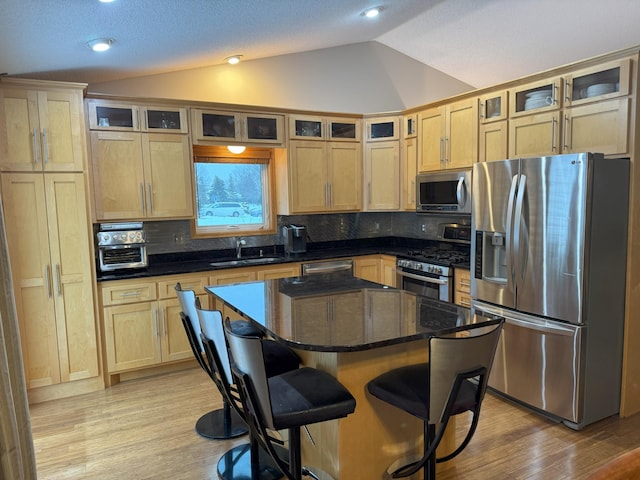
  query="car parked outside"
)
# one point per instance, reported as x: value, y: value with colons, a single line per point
x: 222, y: 209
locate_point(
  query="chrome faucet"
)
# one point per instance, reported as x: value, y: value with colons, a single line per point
x: 240, y: 242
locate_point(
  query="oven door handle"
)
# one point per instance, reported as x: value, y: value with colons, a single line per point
x: 423, y: 279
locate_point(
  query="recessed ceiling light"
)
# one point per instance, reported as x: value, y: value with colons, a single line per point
x: 100, y: 44
x: 106, y: 1
x: 372, y: 12
x: 233, y: 59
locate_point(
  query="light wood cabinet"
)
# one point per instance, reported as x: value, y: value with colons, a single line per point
x: 221, y: 127
x: 462, y: 291
x: 110, y: 115
x: 376, y: 268
x: 48, y: 239
x: 142, y: 321
x: 310, y: 127
x: 41, y: 126
x: 382, y: 129
x: 598, y: 127
x: 324, y: 176
x: 534, y: 135
x: 535, y: 98
x: 448, y: 136
x: 382, y: 175
x: 141, y: 175
x: 408, y: 170
x: 493, y: 141
x: 493, y: 107
x: 601, y: 82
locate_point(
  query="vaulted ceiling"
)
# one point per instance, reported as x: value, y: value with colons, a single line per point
x: 480, y: 42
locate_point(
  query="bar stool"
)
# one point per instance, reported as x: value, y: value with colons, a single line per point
x: 221, y: 424
x: 452, y: 382
x: 287, y: 401
x: 247, y: 460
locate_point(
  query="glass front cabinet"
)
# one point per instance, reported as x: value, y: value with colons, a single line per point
x: 222, y: 127
x: 492, y: 107
x: 534, y: 98
x: 382, y: 129
x: 598, y: 83
x: 307, y: 127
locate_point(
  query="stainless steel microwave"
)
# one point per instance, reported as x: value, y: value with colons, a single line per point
x: 444, y: 192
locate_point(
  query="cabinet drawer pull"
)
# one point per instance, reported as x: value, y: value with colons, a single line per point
x: 135, y: 293
x: 35, y: 147
x: 465, y: 283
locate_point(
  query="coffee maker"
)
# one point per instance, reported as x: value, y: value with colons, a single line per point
x: 295, y: 238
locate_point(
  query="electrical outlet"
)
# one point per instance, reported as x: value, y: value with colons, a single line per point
x: 423, y: 227
x: 179, y: 239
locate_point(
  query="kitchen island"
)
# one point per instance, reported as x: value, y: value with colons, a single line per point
x: 355, y: 330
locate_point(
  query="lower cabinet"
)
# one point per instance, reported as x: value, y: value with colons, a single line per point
x: 142, y: 323
x: 462, y: 292
x: 376, y: 268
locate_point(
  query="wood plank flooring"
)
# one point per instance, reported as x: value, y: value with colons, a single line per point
x: 144, y: 429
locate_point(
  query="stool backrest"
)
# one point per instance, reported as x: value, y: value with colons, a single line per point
x: 212, y: 329
x: 187, y: 299
x: 247, y: 359
x: 453, y: 360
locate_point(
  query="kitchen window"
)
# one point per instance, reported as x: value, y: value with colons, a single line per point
x: 233, y: 192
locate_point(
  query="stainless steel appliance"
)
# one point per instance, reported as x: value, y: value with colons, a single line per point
x: 295, y: 238
x: 444, y: 192
x: 429, y: 271
x: 121, y: 246
x: 319, y: 268
x: 549, y: 243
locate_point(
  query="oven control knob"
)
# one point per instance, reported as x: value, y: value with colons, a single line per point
x: 438, y: 271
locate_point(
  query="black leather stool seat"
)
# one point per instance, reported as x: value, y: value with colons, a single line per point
x: 305, y: 396
x: 278, y: 359
x: 400, y: 388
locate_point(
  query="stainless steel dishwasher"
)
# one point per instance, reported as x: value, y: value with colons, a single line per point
x: 317, y: 268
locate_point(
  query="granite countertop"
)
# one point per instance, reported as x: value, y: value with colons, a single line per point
x: 341, y: 313
x: 191, y: 262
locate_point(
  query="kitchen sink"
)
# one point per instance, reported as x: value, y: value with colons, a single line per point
x: 245, y: 261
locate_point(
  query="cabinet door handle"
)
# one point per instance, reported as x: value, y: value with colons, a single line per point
x: 330, y: 194
x: 133, y: 293
x: 441, y: 142
x: 150, y: 202
x: 47, y: 279
x: 326, y: 194
x: 567, y: 90
x: 142, y: 198
x: 155, y: 318
x: 58, y: 280
x: 446, y: 141
x: 35, y: 146
x: 164, y: 322
x: 45, y: 145
x: 554, y: 95
x: 553, y: 134
x: 564, y: 133
x: 481, y: 111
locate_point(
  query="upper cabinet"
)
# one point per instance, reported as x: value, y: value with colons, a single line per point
x: 136, y: 118
x: 537, y: 97
x: 448, y: 136
x: 141, y: 161
x: 41, y: 126
x: 410, y: 126
x: 492, y: 107
x: 336, y: 129
x: 382, y: 129
x: 220, y: 127
x: 608, y: 80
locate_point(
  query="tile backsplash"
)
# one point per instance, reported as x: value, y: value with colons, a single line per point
x: 175, y: 235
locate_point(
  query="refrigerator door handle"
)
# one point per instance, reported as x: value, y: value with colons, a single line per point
x: 509, y: 239
x: 519, y: 263
x: 523, y: 320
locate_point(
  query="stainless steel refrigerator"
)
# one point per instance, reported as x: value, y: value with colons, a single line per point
x: 549, y: 242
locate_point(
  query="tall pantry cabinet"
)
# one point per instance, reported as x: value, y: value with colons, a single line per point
x: 45, y: 205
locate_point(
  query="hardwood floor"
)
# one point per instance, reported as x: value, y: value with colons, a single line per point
x: 145, y: 429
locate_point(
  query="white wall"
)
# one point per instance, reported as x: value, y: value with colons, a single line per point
x: 359, y: 78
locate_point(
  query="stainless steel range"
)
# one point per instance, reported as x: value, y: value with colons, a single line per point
x: 429, y: 271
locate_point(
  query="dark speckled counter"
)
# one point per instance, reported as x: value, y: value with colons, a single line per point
x: 363, y: 315
x: 354, y: 330
x: 191, y: 262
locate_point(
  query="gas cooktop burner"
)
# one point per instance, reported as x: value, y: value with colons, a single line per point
x: 440, y: 256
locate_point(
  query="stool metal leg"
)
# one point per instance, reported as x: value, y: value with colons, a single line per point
x: 239, y: 464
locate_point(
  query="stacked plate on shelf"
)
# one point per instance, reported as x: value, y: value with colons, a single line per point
x: 600, y: 89
x: 538, y: 99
